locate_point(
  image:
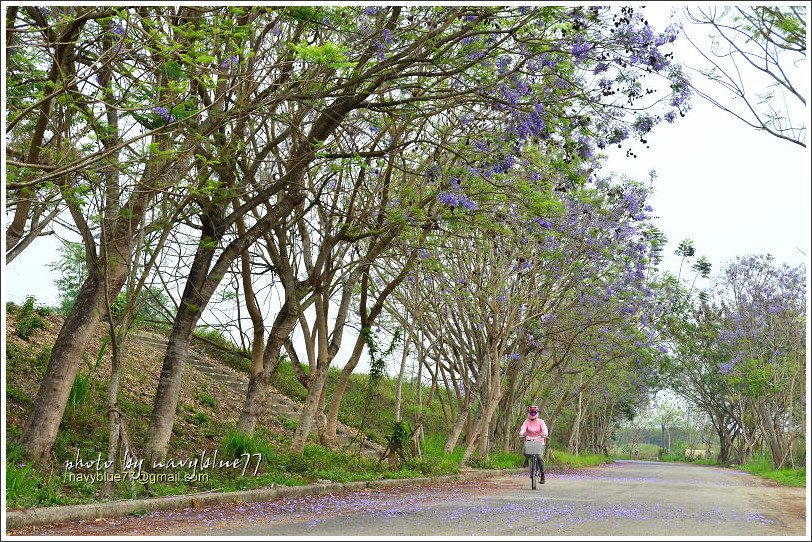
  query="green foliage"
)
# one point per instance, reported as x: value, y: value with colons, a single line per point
x: 29, y: 319
x: 427, y: 465
x: 289, y: 424
x: 14, y: 393
x: 73, y: 272
x: 377, y: 369
x: 23, y: 482
x: 284, y: 379
x: 327, y: 54
x: 761, y: 465
x: 398, y: 439
x: 150, y: 304
x: 80, y: 390
x: 686, y: 249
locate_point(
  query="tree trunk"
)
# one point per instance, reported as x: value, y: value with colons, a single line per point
x: 114, y: 415
x: 328, y: 438
x: 42, y: 425
x: 481, y: 428
x: 456, y: 430
x: 257, y: 323
x: 399, y: 389
x: 162, y: 419
x: 283, y: 326
x: 203, y: 281
x: 317, y: 381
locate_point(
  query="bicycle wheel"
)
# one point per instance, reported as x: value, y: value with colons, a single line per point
x: 539, y: 469
x: 533, y: 471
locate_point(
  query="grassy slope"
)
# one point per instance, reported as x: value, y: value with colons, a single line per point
x: 207, y: 412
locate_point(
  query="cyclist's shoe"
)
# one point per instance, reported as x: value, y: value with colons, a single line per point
x: 542, y: 478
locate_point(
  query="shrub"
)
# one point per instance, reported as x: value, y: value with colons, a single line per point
x: 289, y: 424
x: 425, y: 465
x: 28, y: 320
x: 480, y: 462
x: 237, y: 443
x: 297, y: 463
x: 81, y: 388
x: 21, y: 479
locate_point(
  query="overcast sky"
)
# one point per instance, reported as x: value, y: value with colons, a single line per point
x: 731, y: 189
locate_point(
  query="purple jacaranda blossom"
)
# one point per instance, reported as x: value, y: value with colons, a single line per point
x: 164, y: 114
x: 503, y: 64
x: 580, y: 48
x: 542, y: 223
x: 725, y: 368
x: 600, y: 67
x: 448, y: 198
x: 643, y: 125
x: 618, y: 134
x: 548, y: 61
x: 229, y: 62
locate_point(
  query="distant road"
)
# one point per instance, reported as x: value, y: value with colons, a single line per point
x: 625, y: 498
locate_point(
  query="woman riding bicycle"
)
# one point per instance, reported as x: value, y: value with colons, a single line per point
x: 534, y: 428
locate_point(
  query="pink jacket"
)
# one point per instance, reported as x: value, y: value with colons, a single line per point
x: 534, y: 429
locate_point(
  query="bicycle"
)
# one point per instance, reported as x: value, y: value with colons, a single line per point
x: 535, y: 449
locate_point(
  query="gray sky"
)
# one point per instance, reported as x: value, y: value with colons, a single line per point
x: 731, y: 189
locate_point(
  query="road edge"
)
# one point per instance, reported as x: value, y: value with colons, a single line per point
x: 18, y: 519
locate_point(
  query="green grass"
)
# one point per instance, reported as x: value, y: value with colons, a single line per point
x: 648, y: 452
x: 203, y: 396
x: 564, y: 458
x: 761, y: 465
x: 705, y: 462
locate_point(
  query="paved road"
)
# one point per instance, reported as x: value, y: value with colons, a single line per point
x: 624, y: 498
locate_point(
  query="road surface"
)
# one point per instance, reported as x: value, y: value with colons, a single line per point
x: 624, y: 498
